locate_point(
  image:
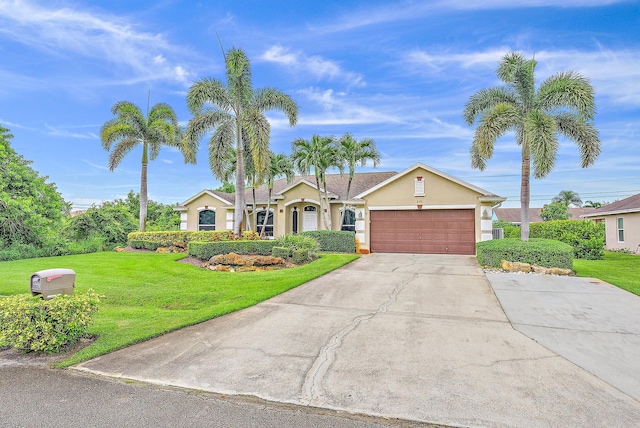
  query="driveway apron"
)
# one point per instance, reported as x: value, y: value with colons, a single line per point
x: 418, y: 337
x: 589, y: 322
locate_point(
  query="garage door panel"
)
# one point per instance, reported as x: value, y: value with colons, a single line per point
x: 423, y: 231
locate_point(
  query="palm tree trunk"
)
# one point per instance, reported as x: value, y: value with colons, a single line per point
x: 324, y: 219
x: 266, y: 217
x: 525, y: 190
x: 143, y: 189
x: 344, y: 203
x: 239, y: 205
x: 255, y: 214
x: 327, y: 214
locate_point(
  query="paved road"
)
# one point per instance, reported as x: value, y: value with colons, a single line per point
x: 404, y: 336
x: 587, y: 321
x: 36, y: 397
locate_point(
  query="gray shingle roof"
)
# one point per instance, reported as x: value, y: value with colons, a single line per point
x: 632, y: 203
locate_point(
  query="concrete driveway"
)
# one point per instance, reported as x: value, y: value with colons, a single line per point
x: 409, y: 336
x: 587, y: 321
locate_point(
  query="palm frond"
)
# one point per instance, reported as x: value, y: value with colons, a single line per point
x: 258, y: 131
x: 494, y: 124
x: 220, y: 148
x: 510, y: 66
x: 485, y: 99
x: 113, y: 130
x: 581, y: 132
x: 477, y: 160
x: 121, y: 150
x: 540, y: 134
x: 239, y: 77
x: 208, y: 91
x: 568, y: 90
x: 274, y: 99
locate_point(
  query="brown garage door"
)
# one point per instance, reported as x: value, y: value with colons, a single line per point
x: 423, y: 232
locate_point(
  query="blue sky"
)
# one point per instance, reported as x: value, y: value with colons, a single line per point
x: 399, y: 72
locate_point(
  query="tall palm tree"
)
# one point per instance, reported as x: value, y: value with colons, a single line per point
x: 353, y: 152
x: 131, y: 128
x: 592, y: 204
x: 569, y: 197
x: 280, y: 165
x: 236, y: 112
x: 320, y: 153
x: 563, y: 104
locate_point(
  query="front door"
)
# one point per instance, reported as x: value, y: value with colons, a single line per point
x: 309, y: 218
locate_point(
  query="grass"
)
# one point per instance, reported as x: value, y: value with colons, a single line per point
x: 618, y: 269
x: 148, y: 294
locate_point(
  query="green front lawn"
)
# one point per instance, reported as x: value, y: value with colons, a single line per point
x: 622, y: 270
x: 148, y: 294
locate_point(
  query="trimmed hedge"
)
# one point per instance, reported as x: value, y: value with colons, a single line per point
x: 334, y: 241
x: 31, y: 324
x: 206, y: 250
x: 541, y: 252
x: 282, y: 252
x: 144, y: 245
x: 167, y: 239
x: 586, y: 237
x: 300, y: 256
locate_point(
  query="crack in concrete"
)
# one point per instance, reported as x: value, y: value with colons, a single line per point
x: 311, y: 389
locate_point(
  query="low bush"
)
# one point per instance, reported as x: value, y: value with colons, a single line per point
x: 297, y: 242
x: 300, y: 256
x: 510, y: 230
x: 206, y: 250
x: 144, y: 245
x: 167, y: 239
x: 541, y: 252
x: 32, y: 324
x: 334, y: 241
x: 586, y: 237
x: 282, y: 252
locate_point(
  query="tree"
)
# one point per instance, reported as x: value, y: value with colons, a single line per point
x: 593, y: 204
x: 236, y: 112
x: 555, y: 211
x: 131, y: 128
x: 563, y: 104
x: 569, y: 197
x: 352, y: 153
x: 31, y: 210
x: 321, y: 153
x: 280, y: 165
x: 226, y: 188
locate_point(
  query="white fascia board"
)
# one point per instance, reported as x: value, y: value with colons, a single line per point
x: 601, y: 214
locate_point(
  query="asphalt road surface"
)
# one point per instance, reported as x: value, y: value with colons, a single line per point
x: 39, y: 397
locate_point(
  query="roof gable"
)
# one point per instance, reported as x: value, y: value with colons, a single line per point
x: 210, y: 193
x: 434, y: 171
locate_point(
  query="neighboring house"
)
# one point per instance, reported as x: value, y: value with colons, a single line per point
x: 622, y: 222
x: 419, y: 210
x: 512, y: 215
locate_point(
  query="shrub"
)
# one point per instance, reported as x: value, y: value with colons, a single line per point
x: 282, y: 252
x: 296, y: 242
x: 541, y: 252
x: 167, y: 239
x: 206, y: 250
x: 301, y: 255
x: 334, y: 241
x: 510, y: 230
x: 144, y: 245
x: 586, y: 237
x: 32, y: 324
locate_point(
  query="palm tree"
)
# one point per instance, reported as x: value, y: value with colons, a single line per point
x: 592, y: 204
x: 321, y: 153
x: 131, y: 128
x: 569, y: 197
x: 353, y: 152
x: 280, y: 165
x: 563, y: 104
x: 236, y: 112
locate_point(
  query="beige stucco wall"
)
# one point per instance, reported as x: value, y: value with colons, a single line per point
x: 631, y: 231
x: 206, y: 200
x: 439, y: 193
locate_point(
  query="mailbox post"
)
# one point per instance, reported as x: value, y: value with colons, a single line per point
x: 51, y: 282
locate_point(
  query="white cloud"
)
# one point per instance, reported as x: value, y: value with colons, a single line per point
x: 62, y: 132
x: 301, y: 64
x: 615, y: 74
x: 98, y: 36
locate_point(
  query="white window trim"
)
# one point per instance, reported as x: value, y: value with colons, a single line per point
x: 207, y: 208
x: 618, y: 229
